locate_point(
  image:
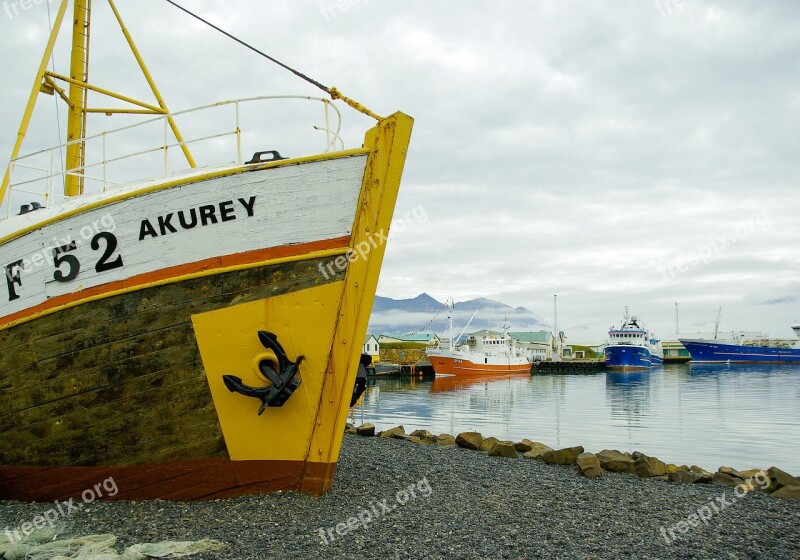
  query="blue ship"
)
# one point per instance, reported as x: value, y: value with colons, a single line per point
x: 735, y: 352
x: 632, y: 347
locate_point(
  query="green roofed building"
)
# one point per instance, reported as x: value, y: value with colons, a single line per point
x: 541, y: 344
x: 420, y: 338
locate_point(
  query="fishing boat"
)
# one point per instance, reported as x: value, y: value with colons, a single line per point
x: 484, y: 353
x: 632, y: 347
x: 740, y: 347
x: 744, y: 350
x: 192, y: 334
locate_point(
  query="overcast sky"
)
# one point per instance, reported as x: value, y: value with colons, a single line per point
x: 634, y: 153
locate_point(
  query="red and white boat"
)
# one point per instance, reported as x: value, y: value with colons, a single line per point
x: 481, y: 353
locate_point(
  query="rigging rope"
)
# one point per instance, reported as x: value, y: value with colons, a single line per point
x: 55, y: 97
x: 435, y: 316
x: 333, y: 92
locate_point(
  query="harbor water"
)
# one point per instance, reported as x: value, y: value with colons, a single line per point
x: 742, y: 416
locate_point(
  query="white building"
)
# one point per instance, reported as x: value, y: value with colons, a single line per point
x: 373, y: 348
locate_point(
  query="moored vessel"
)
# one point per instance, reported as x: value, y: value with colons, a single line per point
x: 744, y: 350
x: 193, y: 335
x: 482, y: 353
x: 632, y: 347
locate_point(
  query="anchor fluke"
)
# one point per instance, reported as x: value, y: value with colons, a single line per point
x: 285, y: 380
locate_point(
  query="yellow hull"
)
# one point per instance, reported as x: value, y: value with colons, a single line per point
x: 222, y: 446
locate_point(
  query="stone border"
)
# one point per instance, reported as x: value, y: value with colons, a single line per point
x: 593, y: 465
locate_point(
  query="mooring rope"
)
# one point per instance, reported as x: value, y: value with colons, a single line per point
x: 333, y: 92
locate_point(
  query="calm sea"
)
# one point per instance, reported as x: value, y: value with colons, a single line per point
x: 740, y: 416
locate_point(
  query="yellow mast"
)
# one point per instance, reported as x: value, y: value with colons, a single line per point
x: 76, y: 122
x: 79, y: 88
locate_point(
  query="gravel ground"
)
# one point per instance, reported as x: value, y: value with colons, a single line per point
x: 465, y: 505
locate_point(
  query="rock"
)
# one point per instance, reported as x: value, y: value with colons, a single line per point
x: 523, y: 446
x: 502, y: 449
x: 488, y: 443
x: 758, y: 480
x: 725, y: 479
x: 646, y: 467
x: 566, y: 456
x: 349, y: 428
x: 445, y: 439
x: 782, y: 478
x: 406, y: 437
x: 686, y: 477
x: 469, y: 440
x: 393, y: 433
x: 424, y: 435
x: 589, y: 465
x: 537, y: 450
x: 787, y: 493
x: 615, y: 461
x: 671, y: 468
x: 699, y: 470
x: 752, y: 473
x: 731, y: 472
x: 366, y: 430
x: 726, y: 476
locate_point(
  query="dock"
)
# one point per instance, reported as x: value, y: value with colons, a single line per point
x: 569, y: 367
x: 389, y: 370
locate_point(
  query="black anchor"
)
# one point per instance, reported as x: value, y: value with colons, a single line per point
x: 284, y: 381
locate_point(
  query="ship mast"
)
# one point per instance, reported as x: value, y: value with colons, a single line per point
x: 76, y: 121
x: 77, y: 98
x: 716, y: 323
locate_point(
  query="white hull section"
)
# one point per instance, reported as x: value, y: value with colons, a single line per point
x: 455, y: 361
x: 135, y: 232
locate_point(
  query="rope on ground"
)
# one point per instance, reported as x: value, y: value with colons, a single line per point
x: 44, y: 544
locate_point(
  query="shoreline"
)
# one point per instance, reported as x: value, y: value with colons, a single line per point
x: 766, y: 480
x: 708, y: 417
x: 479, y: 506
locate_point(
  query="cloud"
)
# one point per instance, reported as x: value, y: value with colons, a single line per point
x: 565, y: 148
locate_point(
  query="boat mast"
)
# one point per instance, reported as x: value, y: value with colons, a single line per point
x: 77, y: 96
x: 716, y: 323
x: 450, y: 320
x: 555, y: 316
x: 76, y: 121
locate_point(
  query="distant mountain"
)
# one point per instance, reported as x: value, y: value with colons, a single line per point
x: 425, y: 314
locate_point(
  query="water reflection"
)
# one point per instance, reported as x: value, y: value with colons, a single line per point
x: 447, y: 383
x: 710, y: 415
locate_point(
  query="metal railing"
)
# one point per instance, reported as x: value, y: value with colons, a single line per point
x: 98, y: 172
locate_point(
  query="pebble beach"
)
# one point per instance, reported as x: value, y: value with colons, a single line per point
x: 395, y: 499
